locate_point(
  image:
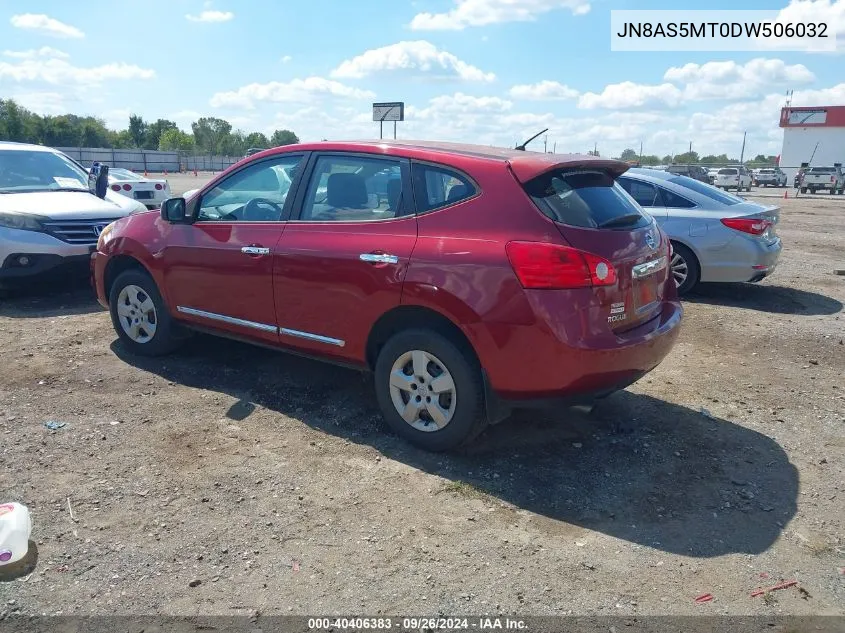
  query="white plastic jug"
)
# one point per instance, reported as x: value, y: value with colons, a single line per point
x: 15, y: 528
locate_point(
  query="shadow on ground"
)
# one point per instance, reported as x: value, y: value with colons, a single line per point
x: 639, y: 468
x: 62, y: 296
x: 765, y: 298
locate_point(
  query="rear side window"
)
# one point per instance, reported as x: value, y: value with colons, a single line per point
x: 674, y: 201
x: 436, y: 187
x: 707, y: 190
x: 589, y: 199
x: 644, y: 193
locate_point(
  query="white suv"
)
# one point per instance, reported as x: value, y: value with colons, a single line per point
x: 737, y: 177
x: 48, y: 216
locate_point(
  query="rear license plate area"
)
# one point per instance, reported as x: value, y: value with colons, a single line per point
x: 646, y: 287
x: 143, y: 195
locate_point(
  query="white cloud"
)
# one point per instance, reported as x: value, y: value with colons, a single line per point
x: 418, y: 55
x: 46, y: 25
x: 60, y: 72
x: 286, y: 59
x: 44, y: 51
x: 211, y: 16
x: 730, y: 80
x: 629, y: 95
x: 44, y: 102
x: 830, y: 11
x: 543, y: 91
x: 482, y: 12
x: 302, y: 90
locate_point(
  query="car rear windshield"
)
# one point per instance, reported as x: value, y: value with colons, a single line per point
x: 707, y: 190
x: 767, y: 171
x: 584, y: 198
x: 727, y: 172
x: 822, y: 170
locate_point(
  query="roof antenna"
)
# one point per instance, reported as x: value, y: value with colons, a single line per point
x: 521, y: 148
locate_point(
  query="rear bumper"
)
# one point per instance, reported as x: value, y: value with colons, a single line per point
x: 573, y: 360
x: 744, y: 259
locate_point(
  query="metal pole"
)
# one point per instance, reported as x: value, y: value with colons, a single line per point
x: 742, y: 153
x: 394, y: 130
x: 641, y: 151
x: 381, y: 129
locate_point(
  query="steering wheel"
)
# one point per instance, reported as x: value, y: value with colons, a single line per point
x: 256, y: 211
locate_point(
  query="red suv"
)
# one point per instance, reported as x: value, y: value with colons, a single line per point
x: 470, y: 280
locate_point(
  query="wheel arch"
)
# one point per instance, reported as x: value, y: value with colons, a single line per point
x: 118, y: 265
x: 675, y: 241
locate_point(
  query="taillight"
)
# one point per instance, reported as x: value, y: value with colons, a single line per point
x: 115, y: 187
x: 832, y: 179
x: 127, y: 187
x: 159, y: 186
x: 754, y: 226
x: 550, y: 266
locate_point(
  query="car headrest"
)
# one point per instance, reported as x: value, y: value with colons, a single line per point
x: 457, y: 192
x: 346, y: 191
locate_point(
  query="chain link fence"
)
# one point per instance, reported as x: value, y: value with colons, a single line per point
x: 142, y: 160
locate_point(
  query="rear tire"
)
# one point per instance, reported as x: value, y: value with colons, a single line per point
x: 803, y: 189
x: 140, y: 317
x: 684, y: 268
x: 435, y: 417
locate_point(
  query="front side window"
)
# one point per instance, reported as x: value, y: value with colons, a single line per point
x: 436, y: 187
x: 256, y: 193
x: 644, y: 193
x: 353, y: 189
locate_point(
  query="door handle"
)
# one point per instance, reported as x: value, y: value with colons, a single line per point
x: 378, y: 258
x: 255, y: 250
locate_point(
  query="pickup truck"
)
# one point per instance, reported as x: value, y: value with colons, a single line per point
x: 831, y: 179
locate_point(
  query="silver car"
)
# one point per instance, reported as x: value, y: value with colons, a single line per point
x: 716, y: 236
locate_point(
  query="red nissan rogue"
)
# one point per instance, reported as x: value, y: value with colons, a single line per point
x: 471, y: 280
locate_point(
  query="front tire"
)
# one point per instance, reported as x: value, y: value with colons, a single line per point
x: 684, y: 268
x: 429, y: 390
x: 139, y: 315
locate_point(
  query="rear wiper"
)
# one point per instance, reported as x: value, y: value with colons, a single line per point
x: 622, y: 220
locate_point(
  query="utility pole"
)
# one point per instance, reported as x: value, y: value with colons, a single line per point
x: 641, y: 152
x: 546, y: 144
x: 595, y: 149
x: 742, y: 153
x: 690, y: 147
x: 554, y: 148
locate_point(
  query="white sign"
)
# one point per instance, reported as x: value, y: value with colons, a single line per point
x: 807, y: 117
x: 394, y: 111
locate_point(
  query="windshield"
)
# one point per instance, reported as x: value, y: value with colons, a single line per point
x: 727, y: 172
x: 587, y: 199
x: 767, y: 171
x: 22, y: 170
x: 707, y: 190
x: 821, y: 170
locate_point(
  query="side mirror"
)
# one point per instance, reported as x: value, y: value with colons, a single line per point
x: 98, y: 179
x: 174, y: 210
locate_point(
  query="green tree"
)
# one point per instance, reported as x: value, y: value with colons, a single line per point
x: 283, y: 137
x: 666, y: 160
x: 175, y: 140
x: 687, y: 158
x: 233, y: 144
x: 257, y: 139
x: 210, y: 133
x: 628, y: 154
x: 94, y: 133
x: 154, y: 132
x: 650, y: 160
x: 593, y: 153
x: 137, y: 130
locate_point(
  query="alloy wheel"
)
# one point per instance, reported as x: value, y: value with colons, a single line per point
x: 680, y: 269
x: 423, y: 391
x: 137, y: 314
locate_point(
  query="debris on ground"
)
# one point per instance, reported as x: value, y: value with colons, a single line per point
x: 784, y: 585
x: 705, y: 597
x: 52, y: 425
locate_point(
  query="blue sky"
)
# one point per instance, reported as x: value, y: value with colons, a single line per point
x: 485, y: 71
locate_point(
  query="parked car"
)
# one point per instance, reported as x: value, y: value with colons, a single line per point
x: 716, y: 236
x: 737, y: 177
x: 770, y: 177
x: 49, y: 218
x: 478, y: 267
x: 150, y: 192
x: 824, y: 179
x: 697, y: 172
x: 711, y: 175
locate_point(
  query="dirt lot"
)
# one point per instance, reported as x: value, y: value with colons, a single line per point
x: 228, y: 479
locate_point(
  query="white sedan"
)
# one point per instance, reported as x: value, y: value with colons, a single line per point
x: 150, y: 192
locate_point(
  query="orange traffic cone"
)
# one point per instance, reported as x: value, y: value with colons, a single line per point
x: 146, y: 174
x: 785, y: 194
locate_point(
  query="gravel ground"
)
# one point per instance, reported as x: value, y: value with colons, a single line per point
x: 228, y: 479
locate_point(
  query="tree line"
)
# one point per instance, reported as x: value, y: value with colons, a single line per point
x: 692, y: 158
x: 209, y: 135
